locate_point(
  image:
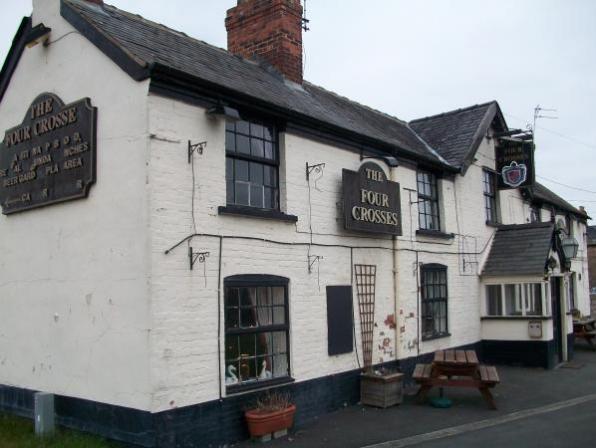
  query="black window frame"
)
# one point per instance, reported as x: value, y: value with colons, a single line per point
x: 256, y: 281
x: 427, y: 270
x: 433, y: 199
x: 491, y: 196
x: 252, y: 123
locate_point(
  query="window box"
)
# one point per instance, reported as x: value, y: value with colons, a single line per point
x: 253, y: 212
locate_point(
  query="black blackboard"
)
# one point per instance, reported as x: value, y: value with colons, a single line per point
x: 339, y: 320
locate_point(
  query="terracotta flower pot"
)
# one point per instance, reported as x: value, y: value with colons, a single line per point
x: 262, y: 422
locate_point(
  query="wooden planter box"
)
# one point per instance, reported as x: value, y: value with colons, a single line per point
x: 381, y: 390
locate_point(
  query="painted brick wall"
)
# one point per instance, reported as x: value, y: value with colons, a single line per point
x: 184, y: 303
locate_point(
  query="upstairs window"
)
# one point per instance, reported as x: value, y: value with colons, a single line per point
x: 428, y: 201
x: 490, y: 197
x: 434, y: 301
x: 252, y: 163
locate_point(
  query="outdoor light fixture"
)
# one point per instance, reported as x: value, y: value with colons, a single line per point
x: 568, y: 244
x: 39, y: 33
x: 389, y: 160
x: 221, y: 110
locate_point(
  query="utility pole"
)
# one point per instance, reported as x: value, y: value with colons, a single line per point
x: 538, y: 115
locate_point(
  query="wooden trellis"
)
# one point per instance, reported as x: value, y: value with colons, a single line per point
x: 365, y: 283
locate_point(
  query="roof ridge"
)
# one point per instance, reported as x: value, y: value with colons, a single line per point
x: 364, y: 106
x: 456, y: 111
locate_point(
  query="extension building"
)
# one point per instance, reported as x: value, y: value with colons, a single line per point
x: 186, y: 227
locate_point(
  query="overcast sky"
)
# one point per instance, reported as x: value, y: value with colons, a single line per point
x: 422, y: 57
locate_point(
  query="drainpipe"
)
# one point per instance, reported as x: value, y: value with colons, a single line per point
x: 395, y: 271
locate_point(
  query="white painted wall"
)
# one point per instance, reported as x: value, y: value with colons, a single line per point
x: 127, y: 311
x: 74, y: 295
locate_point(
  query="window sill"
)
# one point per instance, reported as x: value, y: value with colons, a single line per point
x: 493, y: 224
x: 257, y: 385
x: 438, y: 336
x: 515, y: 318
x: 434, y: 234
x: 253, y: 212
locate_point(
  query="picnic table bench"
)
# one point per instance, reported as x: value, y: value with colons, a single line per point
x: 585, y: 329
x: 456, y: 368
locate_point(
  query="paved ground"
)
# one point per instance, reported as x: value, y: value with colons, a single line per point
x: 537, y: 407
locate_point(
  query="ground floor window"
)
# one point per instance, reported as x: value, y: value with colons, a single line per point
x: 256, y: 330
x: 434, y: 301
x: 516, y: 299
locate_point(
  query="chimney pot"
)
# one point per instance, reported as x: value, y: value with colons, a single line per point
x: 270, y: 30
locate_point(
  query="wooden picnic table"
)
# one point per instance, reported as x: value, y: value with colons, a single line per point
x: 585, y: 328
x: 456, y: 368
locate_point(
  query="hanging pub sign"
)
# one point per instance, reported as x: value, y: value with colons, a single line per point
x: 515, y: 163
x: 371, y: 201
x: 50, y: 156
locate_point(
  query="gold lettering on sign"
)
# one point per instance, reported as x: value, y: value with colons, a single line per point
x: 42, y: 108
x: 375, y: 175
x: 57, y: 121
x: 52, y: 169
x: 40, y: 161
x: 73, y: 163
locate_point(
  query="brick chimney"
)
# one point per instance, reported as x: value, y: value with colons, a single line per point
x: 271, y: 30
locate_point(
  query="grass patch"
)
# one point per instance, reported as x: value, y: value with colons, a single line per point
x: 17, y: 432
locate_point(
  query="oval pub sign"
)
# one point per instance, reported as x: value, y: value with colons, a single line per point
x: 50, y: 156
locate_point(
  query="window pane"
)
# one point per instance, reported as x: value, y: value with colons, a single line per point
x: 243, y: 127
x: 512, y: 300
x: 269, y: 153
x: 256, y: 130
x: 241, y: 193
x: 230, y: 141
x: 256, y: 196
x: 241, y: 171
x: 256, y: 173
x: 242, y: 144
x: 230, y: 126
x: 494, y: 305
x: 257, y: 147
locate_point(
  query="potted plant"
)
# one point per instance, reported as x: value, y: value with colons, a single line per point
x: 381, y: 388
x: 273, y: 412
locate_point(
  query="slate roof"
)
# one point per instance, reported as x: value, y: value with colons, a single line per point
x: 455, y: 135
x: 540, y: 193
x: 148, y: 43
x: 519, y: 250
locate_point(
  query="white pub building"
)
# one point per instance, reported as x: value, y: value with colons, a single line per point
x: 186, y: 227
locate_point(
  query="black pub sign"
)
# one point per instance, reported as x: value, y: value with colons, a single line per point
x: 50, y: 156
x: 515, y: 163
x: 371, y: 201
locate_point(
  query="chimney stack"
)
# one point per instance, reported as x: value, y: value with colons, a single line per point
x: 271, y: 30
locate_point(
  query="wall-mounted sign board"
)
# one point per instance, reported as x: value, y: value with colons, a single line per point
x: 371, y: 201
x: 515, y: 163
x: 50, y: 157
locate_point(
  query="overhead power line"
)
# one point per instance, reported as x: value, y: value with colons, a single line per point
x: 566, y: 185
x: 566, y: 137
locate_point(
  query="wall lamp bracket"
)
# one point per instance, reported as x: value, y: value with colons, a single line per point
x: 318, y: 168
x: 39, y: 33
x: 312, y: 259
x: 197, y: 257
x: 198, y: 147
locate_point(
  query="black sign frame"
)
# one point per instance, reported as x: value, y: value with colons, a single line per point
x: 50, y: 157
x: 515, y: 163
x: 372, y: 202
